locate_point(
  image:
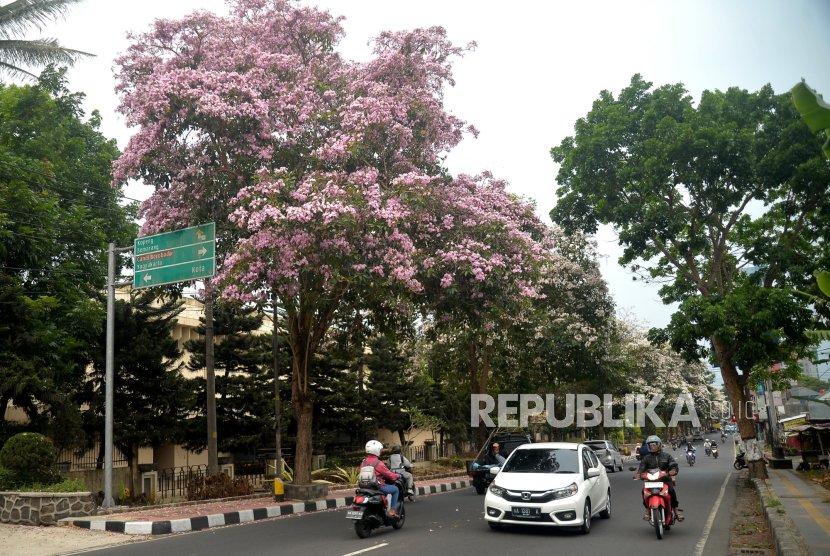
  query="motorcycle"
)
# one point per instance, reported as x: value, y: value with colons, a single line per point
x: 715, y: 452
x: 369, y: 511
x: 690, y: 457
x: 658, y: 500
x: 740, y: 462
x: 708, y: 451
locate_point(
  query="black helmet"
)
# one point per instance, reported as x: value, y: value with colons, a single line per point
x: 396, y: 449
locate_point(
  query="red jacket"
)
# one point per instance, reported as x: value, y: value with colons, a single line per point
x: 381, y: 471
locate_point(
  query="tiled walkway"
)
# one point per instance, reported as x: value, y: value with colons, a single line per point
x: 804, y: 501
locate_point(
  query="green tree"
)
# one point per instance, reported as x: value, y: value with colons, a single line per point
x: 22, y: 15
x: 391, y: 387
x: 244, y: 381
x: 151, y: 396
x: 57, y: 214
x: 697, y: 194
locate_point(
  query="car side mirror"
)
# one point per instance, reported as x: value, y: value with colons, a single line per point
x: 494, y: 470
x: 593, y: 472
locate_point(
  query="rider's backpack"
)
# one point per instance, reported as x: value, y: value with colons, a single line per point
x: 367, y: 477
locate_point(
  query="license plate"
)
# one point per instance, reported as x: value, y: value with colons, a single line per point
x: 527, y: 513
x: 354, y: 514
x: 654, y: 485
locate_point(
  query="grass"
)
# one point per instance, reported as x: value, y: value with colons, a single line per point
x: 772, y: 502
x: 746, y: 528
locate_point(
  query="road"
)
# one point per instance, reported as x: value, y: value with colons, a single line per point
x: 452, y: 524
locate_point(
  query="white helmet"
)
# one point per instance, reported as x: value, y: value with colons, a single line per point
x: 374, y: 448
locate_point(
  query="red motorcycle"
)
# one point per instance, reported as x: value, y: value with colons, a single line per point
x: 658, y: 500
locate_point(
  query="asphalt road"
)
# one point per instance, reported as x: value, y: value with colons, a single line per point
x: 452, y: 524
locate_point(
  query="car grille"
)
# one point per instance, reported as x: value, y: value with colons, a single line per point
x: 536, y: 497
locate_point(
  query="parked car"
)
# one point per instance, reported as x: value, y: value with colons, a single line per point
x: 560, y: 484
x: 507, y: 442
x: 608, y: 454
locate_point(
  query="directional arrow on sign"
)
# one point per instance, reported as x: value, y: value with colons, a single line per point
x: 202, y: 252
x: 147, y: 277
x: 201, y: 236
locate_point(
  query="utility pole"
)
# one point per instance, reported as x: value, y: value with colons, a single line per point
x: 110, y: 373
x: 213, y: 456
x: 277, y: 402
x: 772, y: 419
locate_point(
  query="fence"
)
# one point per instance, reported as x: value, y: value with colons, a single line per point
x: 173, y: 481
x: 69, y: 460
x: 253, y: 471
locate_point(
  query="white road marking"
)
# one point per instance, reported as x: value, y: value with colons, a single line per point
x: 708, y: 527
x: 366, y: 549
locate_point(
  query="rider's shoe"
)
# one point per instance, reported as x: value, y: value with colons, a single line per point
x: 393, y: 514
x: 647, y: 516
x: 679, y: 514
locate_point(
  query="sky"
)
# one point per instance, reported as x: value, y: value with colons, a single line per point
x: 537, y: 68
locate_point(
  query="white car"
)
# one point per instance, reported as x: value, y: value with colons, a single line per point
x: 559, y: 484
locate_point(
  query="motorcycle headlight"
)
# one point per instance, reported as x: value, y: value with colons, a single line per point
x: 496, y: 491
x: 569, y: 490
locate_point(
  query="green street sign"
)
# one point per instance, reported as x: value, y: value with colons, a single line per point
x: 179, y: 256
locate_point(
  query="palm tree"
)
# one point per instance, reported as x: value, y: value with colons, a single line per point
x: 19, y: 16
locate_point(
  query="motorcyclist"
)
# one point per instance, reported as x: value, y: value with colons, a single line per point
x: 493, y: 457
x: 691, y: 449
x: 373, y: 451
x: 707, y: 445
x: 658, y: 459
x: 399, y: 464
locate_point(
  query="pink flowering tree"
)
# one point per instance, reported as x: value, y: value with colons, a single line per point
x: 327, y: 165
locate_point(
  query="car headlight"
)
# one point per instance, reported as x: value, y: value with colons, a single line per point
x: 496, y: 491
x: 569, y: 490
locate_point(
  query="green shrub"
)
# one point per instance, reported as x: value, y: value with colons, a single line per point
x: 8, y: 479
x: 67, y: 485
x: 28, y: 452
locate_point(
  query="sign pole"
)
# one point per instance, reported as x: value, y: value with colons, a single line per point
x: 213, y: 456
x: 110, y: 363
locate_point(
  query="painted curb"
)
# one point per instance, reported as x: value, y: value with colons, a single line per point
x: 201, y: 522
x: 785, y: 534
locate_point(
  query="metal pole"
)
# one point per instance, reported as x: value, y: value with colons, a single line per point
x: 213, y: 456
x: 110, y: 390
x: 777, y: 450
x: 277, y: 402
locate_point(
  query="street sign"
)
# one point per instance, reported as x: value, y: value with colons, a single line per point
x: 171, y: 257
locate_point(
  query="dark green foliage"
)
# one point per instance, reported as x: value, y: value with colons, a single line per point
x: 28, y: 451
x: 57, y: 214
x: 391, y: 386
x: 243, y: 364
x: 8, y: 479
x: 152, y: 398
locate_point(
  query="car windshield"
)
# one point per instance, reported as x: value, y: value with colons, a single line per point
x: 596, y: 447
x: 543, y: 460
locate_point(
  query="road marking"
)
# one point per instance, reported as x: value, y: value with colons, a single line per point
x: 814, y: 512
x: 366, y: 549
x: 708, y: 527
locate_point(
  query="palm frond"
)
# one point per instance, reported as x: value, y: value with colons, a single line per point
x: 20, y: 15
x: 818, y: 334
x: 15, y: 71
x: 38, y: 52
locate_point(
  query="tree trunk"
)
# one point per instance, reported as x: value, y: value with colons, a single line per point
x: 746, y: 426
x: 303, y: 406
x: 301, y: 395
x: 478, y: 385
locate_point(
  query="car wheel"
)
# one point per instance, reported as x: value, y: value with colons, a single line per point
x: 481, y: 489
x: 586, y: 519
x: 606, y: 513
x: 612, y: 469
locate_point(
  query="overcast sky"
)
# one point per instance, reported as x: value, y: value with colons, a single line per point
x: 537, y: 69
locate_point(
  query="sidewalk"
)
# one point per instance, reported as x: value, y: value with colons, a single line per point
x: 177, y: 519
x: 804, y: 501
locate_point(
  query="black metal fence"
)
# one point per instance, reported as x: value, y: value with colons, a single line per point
x: 173, y: 481
x: 69, y: 460
x: 253, y: 471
